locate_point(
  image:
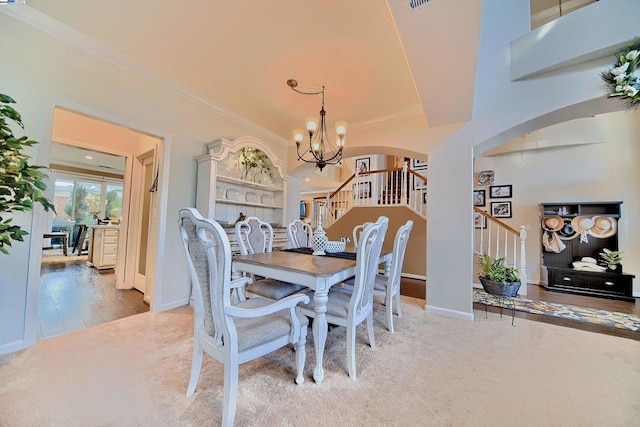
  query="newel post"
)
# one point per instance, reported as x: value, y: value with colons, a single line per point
x: 522, y: 271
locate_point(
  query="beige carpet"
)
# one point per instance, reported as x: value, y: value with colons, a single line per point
x: 434, y: 371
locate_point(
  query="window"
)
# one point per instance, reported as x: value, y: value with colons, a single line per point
x: 83, y: 200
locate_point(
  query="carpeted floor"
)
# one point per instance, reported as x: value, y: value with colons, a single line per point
x: 434, y: 371
x: 563, y: 311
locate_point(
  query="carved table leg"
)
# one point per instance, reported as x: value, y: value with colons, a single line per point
x: 320, y: 328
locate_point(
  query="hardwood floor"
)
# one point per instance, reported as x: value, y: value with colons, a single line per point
x: 75, y: 296
x: 417, y: 289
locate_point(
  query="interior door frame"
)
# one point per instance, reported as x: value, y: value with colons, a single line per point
x: 139, y: 188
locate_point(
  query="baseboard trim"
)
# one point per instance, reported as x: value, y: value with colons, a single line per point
x: 14, y: 346
x: 414, y: 276
x: 172, y: 305
x: 448, y: 313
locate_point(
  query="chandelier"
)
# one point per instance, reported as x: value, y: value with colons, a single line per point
x: 321, y: 149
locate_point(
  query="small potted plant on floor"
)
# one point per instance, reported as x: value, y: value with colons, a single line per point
x: 497, y: 278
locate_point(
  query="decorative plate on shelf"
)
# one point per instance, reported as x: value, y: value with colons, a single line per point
x: 219, y: 192
x: 232, y: 194
x: 266, y: 199
x: 251, y: 197
x: 485, y: 177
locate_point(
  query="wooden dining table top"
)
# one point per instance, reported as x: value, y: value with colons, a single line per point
x: 318, y: 265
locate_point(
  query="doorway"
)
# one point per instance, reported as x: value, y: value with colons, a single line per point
x: 109, y: 294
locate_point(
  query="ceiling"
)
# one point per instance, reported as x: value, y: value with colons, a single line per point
x: 238, y: 55
x: 69, y: 155
x: 379, y: 60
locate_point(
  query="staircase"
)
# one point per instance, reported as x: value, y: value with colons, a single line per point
x: 388, y: 187
x: 403, y: 187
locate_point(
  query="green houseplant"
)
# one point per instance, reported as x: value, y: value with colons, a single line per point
x: 21, y: 184
x: 497, y: 278
x: 612, y: 258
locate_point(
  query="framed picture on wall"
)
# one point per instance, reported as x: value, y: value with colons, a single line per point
x: 420, y: 184
x: 501, y: 209
x: 479, y: 220
x: 479, y: 198
x: 363, y: 166
x: 500, y: 191
x: 416, y: 164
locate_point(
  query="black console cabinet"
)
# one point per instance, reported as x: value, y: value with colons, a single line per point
x: 556, y: 272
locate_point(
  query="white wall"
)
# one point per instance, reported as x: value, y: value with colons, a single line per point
x: 605, y: 171
x: 503, y: 110
x: 40, y: 72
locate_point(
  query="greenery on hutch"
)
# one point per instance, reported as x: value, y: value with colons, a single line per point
x: 253, y: 162
x: 21, y: 184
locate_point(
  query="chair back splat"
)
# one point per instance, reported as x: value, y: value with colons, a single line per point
x: 300, y: 234
x: 256, y: 237
x: 357, y: 230
x: 232, y: 334
x: 388, y: 287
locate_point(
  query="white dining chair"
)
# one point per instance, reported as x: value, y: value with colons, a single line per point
x: 351, y: 309
x: 255, y: 237
x: 388, y: 287
x: 357, y: 230
x: 300, y: 234
x: 233, y: 334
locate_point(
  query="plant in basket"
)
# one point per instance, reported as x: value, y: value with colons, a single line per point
x: 497, y: 278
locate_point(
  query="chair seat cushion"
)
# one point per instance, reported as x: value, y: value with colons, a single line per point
x: 254, y: 332
x: 379, y: 285
x: 337, y: 304
x: 273, y: 289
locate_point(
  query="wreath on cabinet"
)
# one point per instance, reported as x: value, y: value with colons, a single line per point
x: 623, y: 80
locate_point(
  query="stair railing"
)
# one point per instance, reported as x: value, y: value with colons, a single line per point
x: 499, y: 240
x: 392, y: 186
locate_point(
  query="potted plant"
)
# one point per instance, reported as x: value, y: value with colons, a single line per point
x: 21, y: 184
x: 497, y: 278
x: 611, y: 258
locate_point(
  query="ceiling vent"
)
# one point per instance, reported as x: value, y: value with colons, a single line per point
x: 416, y: 4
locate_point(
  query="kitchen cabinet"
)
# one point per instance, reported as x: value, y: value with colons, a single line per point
x: 103, y: 246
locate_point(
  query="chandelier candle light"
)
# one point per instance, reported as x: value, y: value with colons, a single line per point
x: 323, y: 151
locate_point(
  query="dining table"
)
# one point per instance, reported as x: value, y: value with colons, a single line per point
x: 318, y: 272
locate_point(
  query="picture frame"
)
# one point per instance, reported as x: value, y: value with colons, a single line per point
x: 362, y: 190
x: 417, y: 164
x: 363, y: 165
x: 479, y: 198
x: 500, y: 191
x: 419, y: 184
x: 479, y: 220
x: 501, y: 209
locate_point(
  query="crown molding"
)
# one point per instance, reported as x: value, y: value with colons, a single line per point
x: 55, y: 28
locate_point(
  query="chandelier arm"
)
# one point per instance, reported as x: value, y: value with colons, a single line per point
x: 338, y: 154
x: 308, y: 93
